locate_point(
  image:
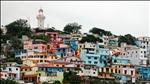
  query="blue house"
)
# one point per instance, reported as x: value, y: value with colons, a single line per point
x: 122, y: 78
x: 144, y: 72
x: 97, y: 56
x: 20, y: 53
x: 64, y: 51
x: 72, y: 42
x: 50, y: 69
x: 119, y: 60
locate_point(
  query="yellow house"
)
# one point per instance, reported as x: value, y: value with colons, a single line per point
x: 106, y: 72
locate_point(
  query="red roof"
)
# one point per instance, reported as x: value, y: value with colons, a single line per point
x: 31, y: 75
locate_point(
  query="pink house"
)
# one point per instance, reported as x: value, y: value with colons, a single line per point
x: 35, y: 45
x: 54, y: 36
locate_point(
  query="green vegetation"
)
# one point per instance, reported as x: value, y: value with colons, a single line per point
x: 128, y: 38
x: 72, y: 28
x: 18, y: 28
x: 7, y: 81
x: 100, y: 32
x: 57, y: 82
x: 42, y: 37
x: 15, y: 30
x: 71, y: 78
x: 90, y: 38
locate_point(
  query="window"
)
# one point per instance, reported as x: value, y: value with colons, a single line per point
x: 115, y: 70
x: 102, y: 70
x: 17, y: 69
x: 95, y: 58
x: 111, y: 70
x: 39, y: 74
x: 63, y: 65
x: 35, y: 47
x: 48, y: 46
x: 41, y: 56
x: 9, y: 69
x: 115, y: 61
x: 95, y: 62
x: 93, y: 72
x: 80, y: 46
x: 89, y: 57
x: 15, y: 75
x: 107, y: 69
x: 131, y: 72
x: 41, y: 60
x: 89, y: 62
x: 125, y: 72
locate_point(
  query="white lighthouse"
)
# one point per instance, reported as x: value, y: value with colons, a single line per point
x: 40, y: 17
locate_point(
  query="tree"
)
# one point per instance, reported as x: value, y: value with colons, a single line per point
x: 7, y: 81
x: 18, y: 28
x: 72, y: 28
x: 16, y: 43
x: 57, y: 82
x: 42, y: 37
x: 71, y: 78
x: 91, y: 38
x: 128, y: 38
x: 100, y: 32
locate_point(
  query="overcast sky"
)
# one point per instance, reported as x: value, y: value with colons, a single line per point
x: 119, y: 17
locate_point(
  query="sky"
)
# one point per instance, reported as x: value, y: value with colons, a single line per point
x: 119, y: 17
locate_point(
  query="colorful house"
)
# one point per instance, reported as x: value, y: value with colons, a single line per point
x: 107, y: 73
x: 125, y: 72
x: 50, y: 73
x: 28, y: 74
x: 95, y: 55
x: 72, y: 42
x: 35, y: 45
x: 119, y: 60
x: 64, y: 50
x: 144, y: 73
x: 88, y: 70
x: 11, y: 72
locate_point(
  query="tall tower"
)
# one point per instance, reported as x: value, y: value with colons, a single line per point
x: 40, y: 17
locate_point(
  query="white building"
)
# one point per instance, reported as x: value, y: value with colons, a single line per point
x: 88, y: 70
x: 40, y: 17
x: 144, y: 42
x: 136, y: 55
x: 11, y: 72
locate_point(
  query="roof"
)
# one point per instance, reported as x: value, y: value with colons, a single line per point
x: 25, y: 67
x: 46, y: 65
x: 30, y: 75
x: 67, y: 57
